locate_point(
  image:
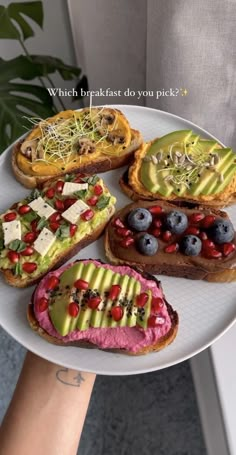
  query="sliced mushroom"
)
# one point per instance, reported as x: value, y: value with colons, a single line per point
x: 116, y: 137
x: 29, y: 149
x: 84, y: 145
x: 107, y: 117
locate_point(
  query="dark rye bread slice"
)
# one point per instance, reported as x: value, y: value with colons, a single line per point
x: 134, y: 196
x: 61, y: 258
x: 162, y: 342
x: 215, y: 271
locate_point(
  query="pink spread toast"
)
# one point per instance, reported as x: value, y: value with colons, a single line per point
x: 91, y: 304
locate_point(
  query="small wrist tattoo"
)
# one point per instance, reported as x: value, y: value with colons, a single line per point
x: 68, y: 377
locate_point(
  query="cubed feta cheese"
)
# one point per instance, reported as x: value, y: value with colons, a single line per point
x: 73, y: 213
x: 44, y: 241
x: 41, y: 207
x: 70, y: 188
x: 12, y: 231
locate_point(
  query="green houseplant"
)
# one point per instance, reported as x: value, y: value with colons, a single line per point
x: 19, y: 96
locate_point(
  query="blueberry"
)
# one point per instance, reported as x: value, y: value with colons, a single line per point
x: 139, y: 219
x: 147, y: 244
x: 176, y: 221
x: 222, y: 231
x: 191, y: 245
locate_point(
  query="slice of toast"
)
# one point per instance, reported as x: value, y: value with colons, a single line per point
x: 47, y: 331
x: 197, y: 180
x: 68, y: 235
x: 214, y: 262
x: 90, y: 140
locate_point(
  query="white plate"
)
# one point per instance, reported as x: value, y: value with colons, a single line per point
x: 206, y: 310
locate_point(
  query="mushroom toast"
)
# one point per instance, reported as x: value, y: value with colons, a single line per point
x: 51, y: 225
x: 182, y: 167
x: 91, y: 304
x: 89, y: 140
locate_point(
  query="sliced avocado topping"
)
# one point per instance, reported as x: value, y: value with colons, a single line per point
x: 100, y: 281
x: 183, y: 163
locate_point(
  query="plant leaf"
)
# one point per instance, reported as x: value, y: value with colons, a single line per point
x: 17, y: 245
x: 13, y: 14
x: 103, y: 202
x: 51, y: 64
x: 81, y: 85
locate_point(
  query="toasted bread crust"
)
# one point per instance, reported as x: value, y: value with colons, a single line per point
x: 162, y: 343
x: 187, y: 270
x: 104, y: 164
x: 132, y: 186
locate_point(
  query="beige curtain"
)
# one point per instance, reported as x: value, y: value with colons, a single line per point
x: 161, y: 45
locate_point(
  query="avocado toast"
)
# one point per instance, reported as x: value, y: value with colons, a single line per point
x: 183, y: 167
x: 90, y: 140
x: 91, y: 304
x: 160, y: 238
x: 51, y: 225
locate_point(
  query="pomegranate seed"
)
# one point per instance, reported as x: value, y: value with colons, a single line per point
x: 52, y: 283
x: 59, y: 205
x: 117, y: 313
x: 228, y: 248
x: 34, y: 225
x: 203, y: 235
x: 29, y: 267
x: 114, y: 291
x: 87, y: 215
x: 156, y: 232
x: 55, y: 217
x: 166, y: 236
x: 208, y: 221
x: 196, y: 217
x: 123, y: 232
x: 81, y: 284
x: 172, y: 248
x: 73, y: 229
x: 94, y: 302
x: 207, y: 244
x: 23, y: 209
x: 192, y: 230
x: 118, y: 223
x: 69, y: 202
x: 13, y: 256
x: 157, y: 304
x: 92, y: 200
x: 79, y: 178
x: 154, y: 321
x: 59, y: 186
x: 42, y: 304
x: 11, y: 216
x: 30, y: 237
x: 50, y: 193
x: 28, y: 251
x: 211, y: 253
x: 157, y: 223
x: 98, y: 190
x: 73, y: 309
x: 126, y: 242
x: 54, y: 226
x: 155, y: 209
x: 141, y: 299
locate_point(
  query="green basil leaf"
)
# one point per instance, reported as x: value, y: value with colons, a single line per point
x: 69, y: 177
x: 91, y: 180
x: 35, y: 193
x: 30, y: 216
x: 17, y: 245
x: 2, y: 245
x: 80, y: 194
x: 63, y: 232
x: 17, y: 269
x: 103, y: 202
x: 43, y: 222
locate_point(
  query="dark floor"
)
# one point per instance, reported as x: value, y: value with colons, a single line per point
x: 151, y: 414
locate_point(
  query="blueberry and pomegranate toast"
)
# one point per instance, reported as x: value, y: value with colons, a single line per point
x: 92, y: 304
x: 164, y: 239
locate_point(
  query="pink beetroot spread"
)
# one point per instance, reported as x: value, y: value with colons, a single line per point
x: 129, y: 338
